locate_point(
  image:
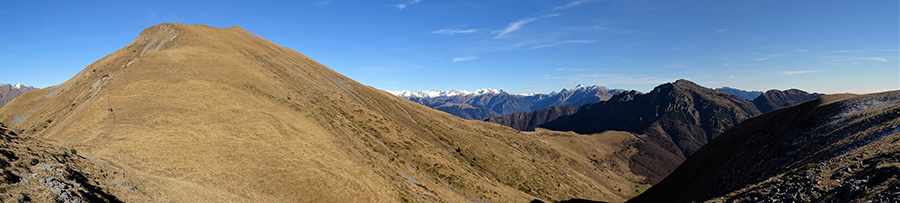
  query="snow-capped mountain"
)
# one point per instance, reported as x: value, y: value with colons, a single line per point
x: 485, y: 103
x: 443, y: 93
x: 21, y: 86
x: 8, y: 92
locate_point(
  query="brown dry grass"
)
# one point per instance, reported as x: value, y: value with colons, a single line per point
x: 220, y: 114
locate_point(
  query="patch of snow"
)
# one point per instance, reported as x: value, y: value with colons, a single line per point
x: 20, y: 86
x: 852, y: 108
x: 443, y: 93
x: 488, y: 91
x: 450, y: 93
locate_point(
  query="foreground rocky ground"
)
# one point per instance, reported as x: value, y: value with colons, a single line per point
x: 35, y: 171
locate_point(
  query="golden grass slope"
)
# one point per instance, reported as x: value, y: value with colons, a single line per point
x: 207, y: 114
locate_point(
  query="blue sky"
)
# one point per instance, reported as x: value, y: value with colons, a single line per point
x: 519, y: 46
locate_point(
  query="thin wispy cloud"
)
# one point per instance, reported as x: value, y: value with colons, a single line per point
x: 467, y: 58
x: 761, y: 59
x: 797, y: 72
x: 564, y: 42
x: 872, y: 59
x: 865, y: 50
x: 513, y: 26
x: 570, y: 69
x: 674, y: 66
x: 402, y: 6
x: 676, y: 48
x: 571, y: 4
x: 802, y: 50
x: 602, y: 26
x: 844, y: 60
x: 453, y: 31
x: 730, y: 77
x: 151, y: 15
x: 721, y: 31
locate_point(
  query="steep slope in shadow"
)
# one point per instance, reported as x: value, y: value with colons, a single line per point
x: 528, y: 121
x: 466, y: 111
x: 837, y: 148
x: 774, y: 99
x: 673, y: 121
x: 681, y: 115
x: 220, y: 114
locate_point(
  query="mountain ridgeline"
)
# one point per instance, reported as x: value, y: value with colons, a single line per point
x: 484, y: 104
x: 743, y: 94
x: 205, y: 114
x: 673, y: 121
x: 774, y: 99
x: 9, y: 92
x: 632, y: 107
x: 836, y: 148
x: 192, y: 113
x: 692, y: 115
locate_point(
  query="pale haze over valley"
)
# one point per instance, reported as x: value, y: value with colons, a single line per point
x: 518, y: 46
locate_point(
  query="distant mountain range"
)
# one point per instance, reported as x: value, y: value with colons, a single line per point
x: 486, y: 103
x: 837, y: 148
x: 9, y: 92
x: 765, y: 102
x: 743, y: 94
x: 673, y: 121
x: 677, y: 117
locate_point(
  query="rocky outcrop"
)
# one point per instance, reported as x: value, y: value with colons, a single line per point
x: 41, y: 172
